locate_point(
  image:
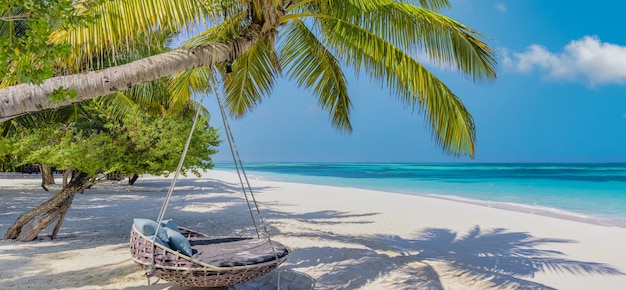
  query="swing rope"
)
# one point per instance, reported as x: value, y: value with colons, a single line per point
x: 235, y: 154
x: 150, y: 272
x: 238, y: 165
x: 240, y: 171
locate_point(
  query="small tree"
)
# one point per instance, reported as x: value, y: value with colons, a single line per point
x: 137, y: 144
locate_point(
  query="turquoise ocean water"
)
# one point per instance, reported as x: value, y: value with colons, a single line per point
x: 591, y: 192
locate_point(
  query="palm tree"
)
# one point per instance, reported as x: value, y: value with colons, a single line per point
x: 154, y: 98
x: 250, y: 43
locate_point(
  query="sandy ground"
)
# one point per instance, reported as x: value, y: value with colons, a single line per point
x: 341, y: 238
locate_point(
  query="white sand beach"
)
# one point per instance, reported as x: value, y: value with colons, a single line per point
x: 341, y: 238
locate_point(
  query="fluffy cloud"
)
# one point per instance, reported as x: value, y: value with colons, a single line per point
x: 587, y: 59
x: 501, y: 7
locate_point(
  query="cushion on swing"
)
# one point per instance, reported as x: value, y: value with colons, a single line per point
x: 170, y: 224
x: 158, y: 241
x: 148, y: 228
x: 236, y: 252
x: 169, y: 234
x: 178, y: 242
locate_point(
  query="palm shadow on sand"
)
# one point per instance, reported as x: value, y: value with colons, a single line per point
x: 506, y: 259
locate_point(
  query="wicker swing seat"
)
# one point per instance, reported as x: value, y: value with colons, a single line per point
x: 214, y: 263
x: 201, y: 260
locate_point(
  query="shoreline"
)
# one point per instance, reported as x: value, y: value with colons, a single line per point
x: 534, y: 209
x: 342, y: 238
x: 551, y: 212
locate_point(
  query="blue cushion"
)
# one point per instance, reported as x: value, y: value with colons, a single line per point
x: 170, y: 224
x: 158, y: 241
x: 178, y: 242
x: 148, y: 228
x: 168, y: 235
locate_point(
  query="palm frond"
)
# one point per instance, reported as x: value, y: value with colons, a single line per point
x: 183, y: 86
x: 419, y: 30
x: 122, y: 22
x: 252, y: 78
x: 446, y: 41
x: 153, y: 97
x: 451, y: 124
x: 435, y: 5
x: 312, y: 66
x: 227, y: 29
x: 115, y: 105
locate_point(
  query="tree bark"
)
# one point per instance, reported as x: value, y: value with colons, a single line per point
x: 66, y: 175
x: 56, y: 213
x: 57, y: 202
x: 64, y: 210
x: 25, y: 98
x: 47, y: 176
x: 132, y: 179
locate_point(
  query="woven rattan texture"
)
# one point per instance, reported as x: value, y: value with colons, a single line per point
x: 177, y: 268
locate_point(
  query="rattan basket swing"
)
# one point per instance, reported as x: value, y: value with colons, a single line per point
x: 215, y: 262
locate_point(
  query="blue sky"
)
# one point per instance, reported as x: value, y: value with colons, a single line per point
x: 560, y: 97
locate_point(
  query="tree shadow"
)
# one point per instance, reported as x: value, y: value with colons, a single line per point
x: 323, y: 217
x: 97, y: 277
x: 506, y: 259
x: 102, y: 217
x: 282, y: 278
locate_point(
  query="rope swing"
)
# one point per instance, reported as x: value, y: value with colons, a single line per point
x: 191, y: 258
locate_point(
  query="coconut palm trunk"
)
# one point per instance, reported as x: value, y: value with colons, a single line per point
x: 25, y: 98
x: 248, y: 44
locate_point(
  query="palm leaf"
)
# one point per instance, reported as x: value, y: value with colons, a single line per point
x: 435, y: 5
x: 228, y: 29
x: 122, y: 22
x: 451, y: 124
x: 252, y: 78
x: 183, y: 86
x: 446, y: 41
x: 312, y: 66
x: 420, y: 30
x: 154, y: 97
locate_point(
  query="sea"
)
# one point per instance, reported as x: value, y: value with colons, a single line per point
x: 594, y: 193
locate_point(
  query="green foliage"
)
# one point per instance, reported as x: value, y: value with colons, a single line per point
x: 8, y: 162
x: 104, y: 135
x: 61, y: 93
x: 253, y: 76
x: 153, y: 145
x: 27, y: 56
x: 316, y: 43
x: 137, y: 143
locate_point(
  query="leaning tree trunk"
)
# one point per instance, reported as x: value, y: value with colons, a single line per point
x: 25, y: 98
x: 53, y: 209
x: 55, y: 214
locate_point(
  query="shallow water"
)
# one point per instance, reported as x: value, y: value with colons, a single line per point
x: 593, y: 191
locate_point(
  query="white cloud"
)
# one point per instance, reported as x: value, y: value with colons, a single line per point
x: 587, y: 59
x: 501, y: 7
